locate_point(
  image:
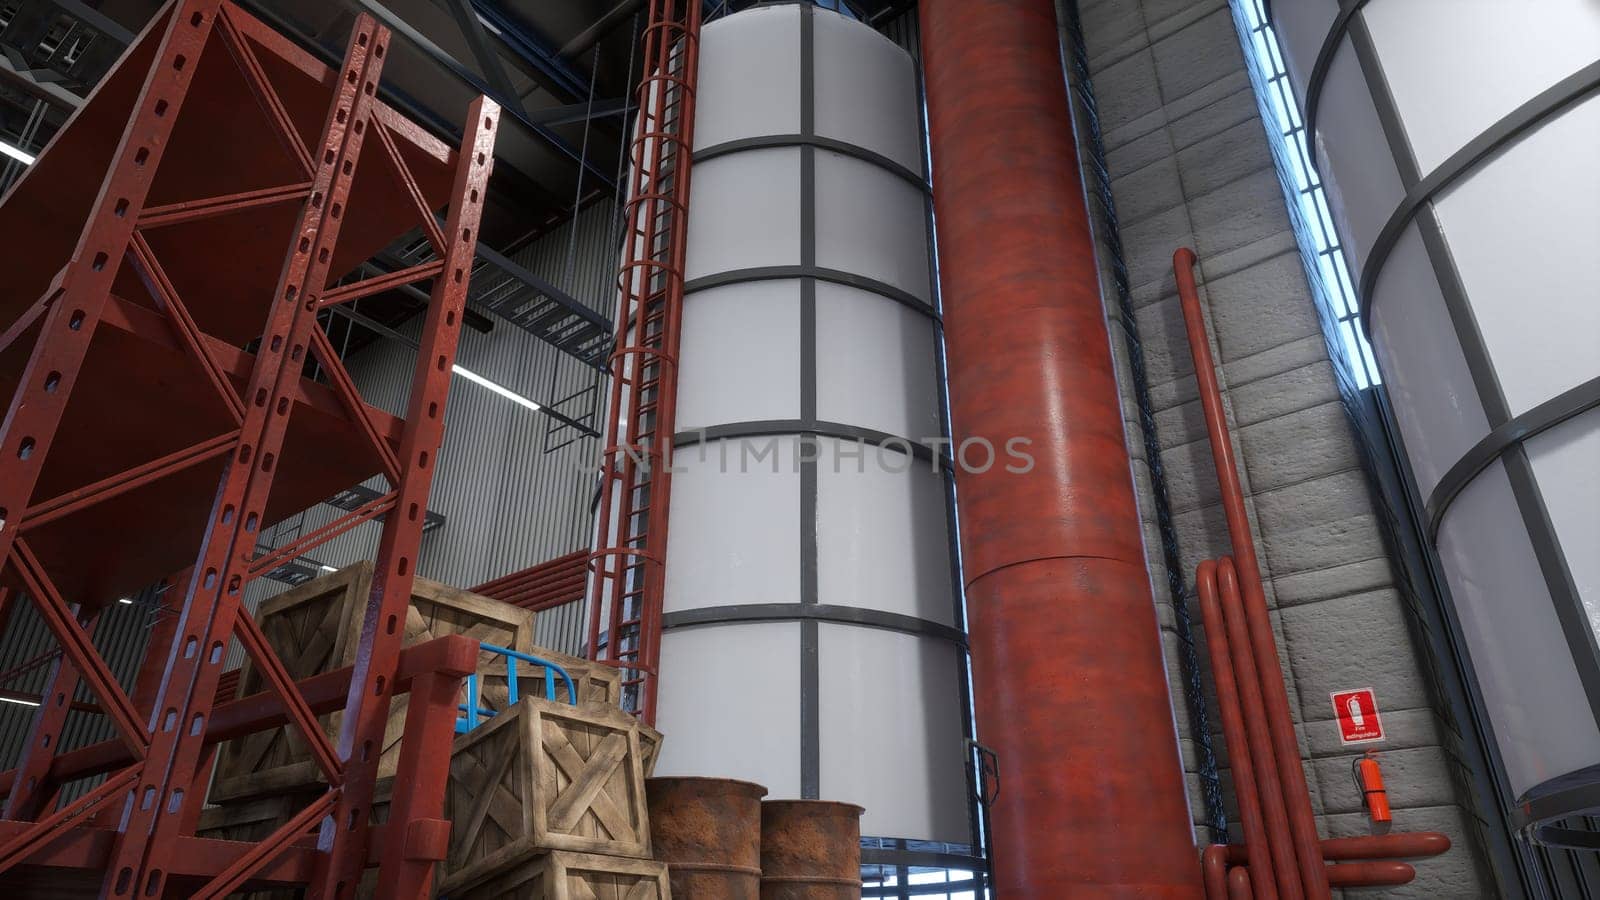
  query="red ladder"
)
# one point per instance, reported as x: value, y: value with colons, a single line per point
x: 627, y: 564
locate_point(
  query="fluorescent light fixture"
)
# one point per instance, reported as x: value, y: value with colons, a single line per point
x: 127, y: 600
x: 17, y: 154
x: 500, y: 389
x: 326, y: 568
x: 20, y: 702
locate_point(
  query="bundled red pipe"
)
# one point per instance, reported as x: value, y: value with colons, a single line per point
x: 1275, y: 697
x: 548, y: 584
x: 1256, y: 782
x: 1281, y: 843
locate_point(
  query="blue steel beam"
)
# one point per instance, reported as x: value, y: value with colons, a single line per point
x: 522, y: 40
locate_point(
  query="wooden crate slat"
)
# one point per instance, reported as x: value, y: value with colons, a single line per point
x: 316, y: 628
x: 596, y: 683
x: 568, y: 875
x: 566, y: 778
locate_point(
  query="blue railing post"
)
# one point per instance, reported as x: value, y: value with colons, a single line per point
x: 474, y: 711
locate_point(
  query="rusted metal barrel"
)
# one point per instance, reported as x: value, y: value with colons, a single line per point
x: 810, y: 850
x: 708, y: 832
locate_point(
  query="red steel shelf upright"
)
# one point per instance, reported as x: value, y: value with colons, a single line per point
x: 158, y: 323
x: 627, y: 566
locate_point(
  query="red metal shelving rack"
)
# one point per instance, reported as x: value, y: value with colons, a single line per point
x: 628, y: 562
x: 153, y: 413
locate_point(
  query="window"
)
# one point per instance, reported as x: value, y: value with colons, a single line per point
x: 888, y: 883
x: 1313, y: 221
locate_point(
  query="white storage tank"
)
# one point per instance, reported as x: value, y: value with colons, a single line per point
x: 1457, y: 138
x: 812, y: 635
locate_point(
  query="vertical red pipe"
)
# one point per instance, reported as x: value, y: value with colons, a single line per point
x: 1070, y: 691
x: 1280, y: 858
x: 1296, y: 795
x: 1244, y: 768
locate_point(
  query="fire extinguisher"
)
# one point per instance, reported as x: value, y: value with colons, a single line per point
x: 1369, y: 781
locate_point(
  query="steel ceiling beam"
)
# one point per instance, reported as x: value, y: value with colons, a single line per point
x: 511, y: 104
x: 525, y: 185
x: 602, y: 26
x: 578, y: 112
x: 478, y: 40
x: 520, y: 38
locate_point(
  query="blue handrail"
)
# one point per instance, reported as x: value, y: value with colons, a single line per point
x: 474, y: 712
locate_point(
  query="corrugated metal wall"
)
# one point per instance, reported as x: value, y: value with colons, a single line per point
x: 507, y: 502
x: 120, y: 636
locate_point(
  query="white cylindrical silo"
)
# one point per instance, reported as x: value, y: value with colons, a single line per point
x: 1457, y: 138
x: 812, y: 635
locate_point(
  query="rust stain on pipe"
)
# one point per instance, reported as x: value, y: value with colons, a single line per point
x: 1070, y: 689
x: 1297, y: 796
x: 708, y: 832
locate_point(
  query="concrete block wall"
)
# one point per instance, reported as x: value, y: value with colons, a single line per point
x: 1191, y: 166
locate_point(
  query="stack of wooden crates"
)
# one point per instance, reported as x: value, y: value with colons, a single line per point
x: 546, y: 797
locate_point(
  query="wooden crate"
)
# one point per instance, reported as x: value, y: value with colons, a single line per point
x: 649, y: 748
x: 316, y: 628
x: 563, y: 875
x: 596, y: 683
x: 545, y: 776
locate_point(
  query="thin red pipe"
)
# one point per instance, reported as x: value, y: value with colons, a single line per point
x: 1369, y: 874
x: 1239, y: 884
x: 1214, y: 868
x: 1070, y: 691
x: 1258, y: 739
x: 1387, y: 846
x: 1398, y: 845
x: 1233, y: 728
x: 1297, y: 796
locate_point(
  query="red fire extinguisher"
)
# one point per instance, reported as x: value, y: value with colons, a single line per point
x: 1369, y: 780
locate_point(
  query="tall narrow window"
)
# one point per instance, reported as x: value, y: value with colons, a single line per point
x: 1313, y: 222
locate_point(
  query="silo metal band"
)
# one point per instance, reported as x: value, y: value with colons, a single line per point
x: 779, y: 273
x: 1513, y: 432
x: 813, y: 612
x: 1319, y: 69
x: 806, y: 426
x: 810, y: 649
x: 1514, y: 125
x: 776, y: 141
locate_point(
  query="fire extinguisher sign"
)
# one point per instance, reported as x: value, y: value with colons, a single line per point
x: 1357, y: 714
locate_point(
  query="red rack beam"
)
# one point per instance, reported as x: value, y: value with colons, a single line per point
x: 179, y: 259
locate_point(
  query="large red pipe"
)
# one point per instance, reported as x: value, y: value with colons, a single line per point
x: 1070, y: 691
